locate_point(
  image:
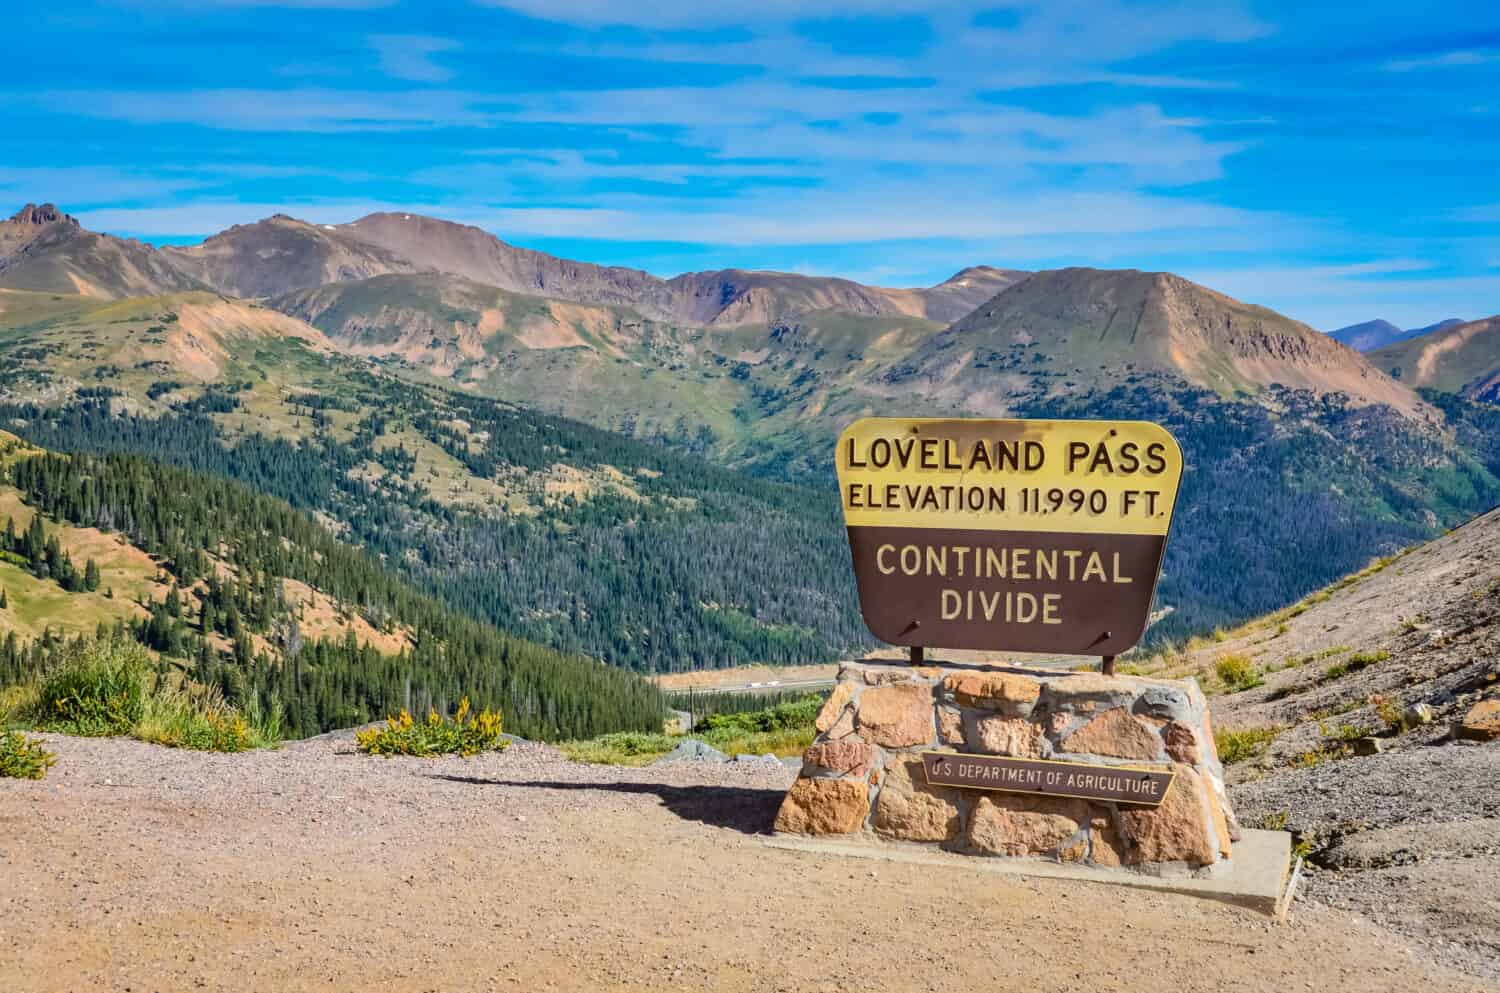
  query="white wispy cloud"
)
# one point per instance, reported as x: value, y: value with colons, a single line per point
x: 1445, y: 60
x: 296, y: 109
x: 409, y: 56
x: 693, y: 14
x: 71, y: 185
x: 891, y: 214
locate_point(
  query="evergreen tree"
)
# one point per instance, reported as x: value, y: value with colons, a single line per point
x: 91, y: 576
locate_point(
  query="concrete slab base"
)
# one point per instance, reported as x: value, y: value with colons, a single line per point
x: 1261, y: 877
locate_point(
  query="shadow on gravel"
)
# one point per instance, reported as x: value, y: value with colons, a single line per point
x: 746, y: 810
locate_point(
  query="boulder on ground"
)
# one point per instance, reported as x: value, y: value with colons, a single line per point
x: 693, y: 750
x: 1482, y: 722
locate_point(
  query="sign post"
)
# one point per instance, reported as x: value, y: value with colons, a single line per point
x: 1009, y: 535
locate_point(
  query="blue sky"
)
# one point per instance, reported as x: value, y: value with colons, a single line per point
x: 1337, y: 162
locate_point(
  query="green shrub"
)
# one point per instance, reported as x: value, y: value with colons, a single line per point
x: 782, y: 742
x: 785, y: 729
x: 22, y: 757
x: 466, y: 734
x: 1237, y: 672
x: 1241, y: 746
x: 621, y: 748
x: 98, y: 689
x: 781, y: 717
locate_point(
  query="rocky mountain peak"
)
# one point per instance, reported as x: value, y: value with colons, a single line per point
x: 45, y: 214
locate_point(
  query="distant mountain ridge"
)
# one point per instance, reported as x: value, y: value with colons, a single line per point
x: 48, y: 251
x: 1103, y: 325
x: 1455, y: 358
x: 727, y: 297
x: 431, y: 295
x: 375, y: 390
x: 1370, y: 335
x: 45, y: 250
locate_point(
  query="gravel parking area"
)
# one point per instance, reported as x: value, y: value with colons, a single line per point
x: 133, y: 867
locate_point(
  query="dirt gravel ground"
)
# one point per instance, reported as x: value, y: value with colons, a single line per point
x: 137, y: 868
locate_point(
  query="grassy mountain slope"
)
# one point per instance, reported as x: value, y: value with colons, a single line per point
x: 1460, y: 358
x: 1400, y: 652
x: 561, y: 532
x: 241, y: 591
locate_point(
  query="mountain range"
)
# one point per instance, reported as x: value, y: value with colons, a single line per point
x: 1370, y: 335
x: 399, y: 377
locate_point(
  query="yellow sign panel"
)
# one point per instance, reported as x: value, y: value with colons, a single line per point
x: 1036, y: 536
x: 1098, y: 477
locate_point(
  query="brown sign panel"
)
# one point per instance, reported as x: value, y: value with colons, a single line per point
x: 1118, y: 784
x: 1036, y: 536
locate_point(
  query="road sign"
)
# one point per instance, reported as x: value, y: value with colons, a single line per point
x: 1010, y: 535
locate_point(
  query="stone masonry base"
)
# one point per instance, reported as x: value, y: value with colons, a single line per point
x: 863, y: 775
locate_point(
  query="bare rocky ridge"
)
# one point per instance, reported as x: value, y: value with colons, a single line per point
x: 728, y: 297
x: 281, y: 254
x: 1073, y: 326
x: 45, y: 250
x: 468, y: 251
x: 1407, y: 835
x: 1088, y: 325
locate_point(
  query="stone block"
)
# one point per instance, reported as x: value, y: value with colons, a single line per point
x: 1177, y: 831
x: 843, y: 727
x: 1117, y: 734
x: 898, y: 716
x: 907, y: 809
x: 1169, y: 703
x: 1008, y: 692
x: 1106, y: 847
x: 1182, y: 743
x: 1086, y: 692
x: 846, y: 757
x: 824, y: 806
x: 950, y: 726
x: 833, y: 707
x: 886, y: 675
x: 1018, y: 824
x: 1013, y: 736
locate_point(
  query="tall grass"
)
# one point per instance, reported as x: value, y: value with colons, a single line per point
x: 1243, y: 745
x: 1237, y: 672
x: 109, y: 687
x: 99, y: 689
x: 785, y: 729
